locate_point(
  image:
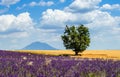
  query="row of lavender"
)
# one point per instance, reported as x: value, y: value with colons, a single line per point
x: 15, y: 64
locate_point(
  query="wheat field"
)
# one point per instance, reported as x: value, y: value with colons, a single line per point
x: 105, y: 54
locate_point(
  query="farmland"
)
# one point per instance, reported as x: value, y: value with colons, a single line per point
x: 44, y: 64
x: 106, y: 54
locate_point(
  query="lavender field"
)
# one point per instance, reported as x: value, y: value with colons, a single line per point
x: 16, y: 64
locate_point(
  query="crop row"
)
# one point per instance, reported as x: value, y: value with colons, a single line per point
x: 15, y: 64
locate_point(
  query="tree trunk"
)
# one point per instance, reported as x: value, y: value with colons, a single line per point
x: 76, y: 53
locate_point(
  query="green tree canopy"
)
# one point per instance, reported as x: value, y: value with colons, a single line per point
x: 76, y: 38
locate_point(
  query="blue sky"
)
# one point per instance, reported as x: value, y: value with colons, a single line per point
x: 25, y: 21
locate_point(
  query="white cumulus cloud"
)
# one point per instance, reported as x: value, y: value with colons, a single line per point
x: 8, y: 2
x: 33, y: 4
x: 5, y: 21
x: 19, y: 8
x: 15, y: 27
x: 22, y: 22
x: 110, y: 7
x: 102, y: 19
x: 41, y: 3
x: 82, y: 5
x: 56, y: 17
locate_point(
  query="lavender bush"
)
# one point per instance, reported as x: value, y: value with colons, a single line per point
x: 16, y: 64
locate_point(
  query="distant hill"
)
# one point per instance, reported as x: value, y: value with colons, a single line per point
x: 39, y: 46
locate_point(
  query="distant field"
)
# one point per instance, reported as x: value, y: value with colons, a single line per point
x: 106, y: 54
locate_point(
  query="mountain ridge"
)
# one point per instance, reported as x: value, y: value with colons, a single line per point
x: 39, y: 46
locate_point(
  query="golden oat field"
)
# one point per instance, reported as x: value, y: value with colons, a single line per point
x: 105, y: 54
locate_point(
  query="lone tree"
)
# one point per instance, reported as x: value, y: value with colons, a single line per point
x: 76, y: 38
